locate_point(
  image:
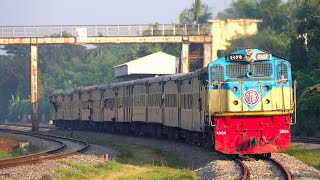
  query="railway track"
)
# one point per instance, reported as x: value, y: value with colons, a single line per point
x: 258, y: 164
x: 244, y: 169
x: 305, y: 140
x: 64, y: 149
x: 248, y: 172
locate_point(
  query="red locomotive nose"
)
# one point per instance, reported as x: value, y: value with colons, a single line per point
x: 251, y: 134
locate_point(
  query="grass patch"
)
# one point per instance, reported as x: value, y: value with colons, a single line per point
x: 4, y: 155
x: 117, y: 170
x: 305, y: 155
x: 141, y: 155
x: 134, y: 162
x: 14, y: 153
x: 17, y: 152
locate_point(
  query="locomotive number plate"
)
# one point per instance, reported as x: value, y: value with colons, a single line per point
x: 251, y: 97
x: 263, y: 56
x: 236, y: 57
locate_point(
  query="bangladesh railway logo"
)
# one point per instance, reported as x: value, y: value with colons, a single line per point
x: 251, y: 97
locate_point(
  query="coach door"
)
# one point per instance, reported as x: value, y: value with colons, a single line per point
x: 186, y: 103
x: 127, y: 103
x: 197, y: 119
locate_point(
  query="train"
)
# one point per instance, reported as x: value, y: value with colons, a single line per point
x: 241, y: 103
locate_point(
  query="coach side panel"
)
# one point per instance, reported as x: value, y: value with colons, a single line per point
x: 85, y: 106
x: 139, y: 110
x: 171, y: 109
x: 75, y: 106
x: 155, y: 103
x: 109, y: 105
x: 67, y: 107
x: 186, y: 103
x: 95, y: 97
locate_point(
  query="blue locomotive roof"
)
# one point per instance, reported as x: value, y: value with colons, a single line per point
x: 249, y: 55
x: 249, y: 65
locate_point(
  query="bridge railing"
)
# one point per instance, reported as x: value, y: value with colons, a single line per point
x: 105, y: 30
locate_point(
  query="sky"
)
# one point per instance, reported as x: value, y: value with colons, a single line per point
x: 97, y: 12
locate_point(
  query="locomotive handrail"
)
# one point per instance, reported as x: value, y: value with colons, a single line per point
x: 241, y: 95
x: 295, y: 103
x: 220, y: 108
x: 260, y: 88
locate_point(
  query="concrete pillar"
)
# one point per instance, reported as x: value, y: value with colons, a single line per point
x: 206, y: 54
x: 224, y: 31
x: 184, y: 64
x: 34, y: 88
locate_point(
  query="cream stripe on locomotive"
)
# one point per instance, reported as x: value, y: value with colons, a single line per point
x: 277, y: 101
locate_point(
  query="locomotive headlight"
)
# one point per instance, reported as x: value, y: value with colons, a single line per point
x: 235, y: 88
x: 249, y: 53
x: 250, y: 59
x: 235, y: 102
x: 267, y: 101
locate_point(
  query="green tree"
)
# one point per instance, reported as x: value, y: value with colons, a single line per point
x: 198, y: 13
x: 267, y: 40
x: 274, y: 13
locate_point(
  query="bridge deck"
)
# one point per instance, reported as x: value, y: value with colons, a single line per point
x: 105, y: 30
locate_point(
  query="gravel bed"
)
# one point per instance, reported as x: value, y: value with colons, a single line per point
x: 206, y: 164
x: 263, y: 169
x: 47, y: 168
x: 95, y: 154
x: 219, y: 169
x: 298, y: 169
x: 41, y: 144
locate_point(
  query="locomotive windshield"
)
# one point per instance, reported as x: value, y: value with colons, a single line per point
x: 243, y: 64
x: 255, y: 69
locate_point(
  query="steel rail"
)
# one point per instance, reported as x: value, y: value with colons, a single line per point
x: 244, y: 170
x: 245, y: 173
x: 39, y: 157
x: 305, y: 140
x: 284, y: 170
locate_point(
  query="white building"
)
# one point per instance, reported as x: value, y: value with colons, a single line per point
x: 152, y: 65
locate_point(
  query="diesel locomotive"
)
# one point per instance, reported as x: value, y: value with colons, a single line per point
x: 242, y: 103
